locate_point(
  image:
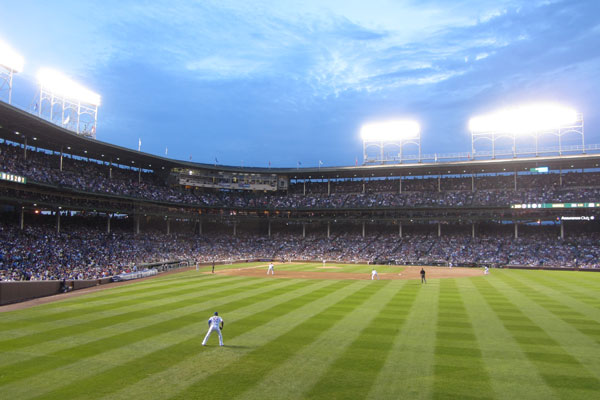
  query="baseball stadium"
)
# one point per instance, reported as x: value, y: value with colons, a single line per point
x: 407, y: 275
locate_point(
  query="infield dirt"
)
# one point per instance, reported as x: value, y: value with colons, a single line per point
x: 403, y: 273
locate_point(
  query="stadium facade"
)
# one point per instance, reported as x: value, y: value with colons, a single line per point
x: 56, y: 173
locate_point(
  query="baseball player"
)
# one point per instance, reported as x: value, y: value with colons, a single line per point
x: 215, y: 323
x: 486, y: 271
x: 374, y: 274
x: 423, y: 280
x: 271, y: 270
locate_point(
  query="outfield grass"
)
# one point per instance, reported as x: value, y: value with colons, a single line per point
x: 509, y: 335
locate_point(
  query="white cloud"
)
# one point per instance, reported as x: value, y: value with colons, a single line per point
x: 214, y: 67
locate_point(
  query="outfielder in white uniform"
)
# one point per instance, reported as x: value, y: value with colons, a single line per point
x: 215, y: 323
x: 374, y: 274
x: 271, y: 270
x: 486, y: 271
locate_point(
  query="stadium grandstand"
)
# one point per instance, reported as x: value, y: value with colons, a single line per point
x: 74, y: 207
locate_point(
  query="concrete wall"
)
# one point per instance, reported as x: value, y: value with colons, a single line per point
x: 14, y: 292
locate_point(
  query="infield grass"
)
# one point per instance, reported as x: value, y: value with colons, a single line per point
x: 509, y: 335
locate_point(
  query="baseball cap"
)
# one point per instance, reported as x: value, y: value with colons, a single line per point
x: 216, y: 313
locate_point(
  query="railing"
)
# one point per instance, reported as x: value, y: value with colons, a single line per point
x: 483, y: 155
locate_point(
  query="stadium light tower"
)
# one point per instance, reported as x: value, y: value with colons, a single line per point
x: 527, y: 120
x: 10, y: 63
x: 394, y: 134
x: 76, y: 106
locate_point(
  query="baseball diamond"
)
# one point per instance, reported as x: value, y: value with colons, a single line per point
x: 510, y: 334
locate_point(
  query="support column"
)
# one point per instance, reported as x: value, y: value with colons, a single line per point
x: 473, y: 230
x: 328, y: 229
x: 137, y: 224
x: 472, y: 183
x: 400, y: 185
x: 303, y: 230
x: 516, y: 230
x: 22, y: 222
x: 200, y: 227
x: 168, y: 226
x: 439, y: 229
x: 364, y: 187
x: 269, y: 228
x: 110, y: 169
x: 61, y: 159
x: 107, y: 223
x: 560, y: 181
x: 363, y: 229
x: 562, y: 229
x: 140, y: 175
x: 515, y: 179
x: 25, y: 147
x: 58, y: 222
x: 400, y: 229
x: 328, y: 187
x: 304, y: 192
x: 235, y: 229
x: 439, y: 183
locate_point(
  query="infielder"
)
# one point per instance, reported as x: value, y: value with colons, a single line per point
x: 486, y: 271
x: 374, y: 274
x: 271, y: 270
x: 215, y: 323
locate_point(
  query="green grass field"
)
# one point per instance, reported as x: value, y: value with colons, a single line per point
x: 509, y: 335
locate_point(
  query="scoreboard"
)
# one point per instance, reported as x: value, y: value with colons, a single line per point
x: 556, y: 205
x: 12, y: 177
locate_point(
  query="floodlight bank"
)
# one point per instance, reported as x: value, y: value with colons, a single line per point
x: 10, y: 59
x: 525, y: 119
x: 58, y: 83
x: 390, y: 131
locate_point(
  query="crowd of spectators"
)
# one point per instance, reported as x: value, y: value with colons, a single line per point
x: 480, y: 191
x: 38, y: 252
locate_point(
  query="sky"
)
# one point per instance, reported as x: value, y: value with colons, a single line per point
x: 284, y: 82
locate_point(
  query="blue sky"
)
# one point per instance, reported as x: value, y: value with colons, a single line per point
x: 250, y: 82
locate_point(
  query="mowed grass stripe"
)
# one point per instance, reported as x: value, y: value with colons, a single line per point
x: 39, y: 323
x: 170, y: 319
x: 583, y: 280
x: 139, y: 366
x: 567, y: 293
x: 511, y: 373
x: 408, y: 371
x: 255, y: 365
x: 299, y: 373
x: 569, y: 315
x: 353, y: 374
x: 185, y: 373
x: 102, y: 296
x: 148, y: 305
x: 458, y: 365
x: 97, y: 326
x: 553, y: 363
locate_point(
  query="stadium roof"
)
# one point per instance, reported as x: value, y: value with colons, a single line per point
x: 44, y: 134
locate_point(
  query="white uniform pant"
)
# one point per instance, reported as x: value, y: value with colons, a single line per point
x: 271, y: 271
x: 373, y: 276
x: 210, y: 330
